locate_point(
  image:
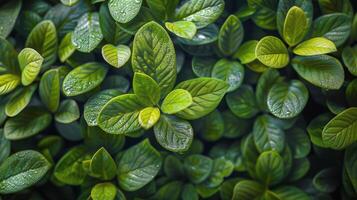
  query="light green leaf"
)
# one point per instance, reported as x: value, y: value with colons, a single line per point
x: 68, y: 112
x: 176, y: 101
x: 87, y: 35
x: 116, y: 56
x: 138, y: 166
x: 43, y: 39
x: 69, y: 2
x: 124, y: 11
x: 19, y: 100
x: 200, y: 12
x: 230, y: 35
x: 120, y: 114
x: 271, y: 51
x: 242, y: 102
x: 102, y: 191
x: 50, y: 89
x: 83, y: 79
x: 232, y: 72
x: 21, y: 170
x: 287, y: 100
x: 270, y: 168
x: 202, y: 89
x: 174, y: 134
x: 147, y: 90
x: 8, y: 14
x: 184, y: 29
x: 198, y: 167
x: 315, y: 46
x: 340, y: 131
x: 246, y: 52
x: 349, y: 56
x: 66, y: 47
x: 247, y: 190
x: 8, y: 82
x: 95, y: 104
x: 148, y: 117
x: 30, y: 63
x: 154, y: 55
x: 102, y: 165
x: 295, y: 26
x: 323, y: 71
x: 29, y: 122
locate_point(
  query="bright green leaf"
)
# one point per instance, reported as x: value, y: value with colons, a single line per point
x: 272, y: 52
x: 295, y: 26
x: 30, y: 63
x: 315, y: 46
x: 176, y: 100
x: 246, y: 52
x: 148, y: 117
x: 19, y: 100
x: 116, y: 56
x: 8, y: 82
x: 184, y: 29
x: 66, y: 48
x: 102, y: 191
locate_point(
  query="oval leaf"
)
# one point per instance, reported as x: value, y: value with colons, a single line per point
x: 101, y: 191
x: 50, y: 89
x: 30, y: 63
x: 124, y: 11
x: 148, y: 117
x: 315, y: 46
x: 272, y: 52
x: 68, y: 112
x: 270, y: 168
x: 232, y: 72
x: 19, y: 100
x: 231, y: 35
x: 102, y: 165
x: 295, y: 26
x: 8, y: 82
x: 175, y: 101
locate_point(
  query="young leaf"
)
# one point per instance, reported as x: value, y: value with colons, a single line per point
x: 295, y: 26
x: 147, y: 90
x: 315, y: 46
x: 8, y: 82
x: 231, y: 35
x: 116, y: 56
x: 102, y: 165
x: 87, y: 35
x: 339, y: 132
x: 287, y: 100
x: 8, y: 15
x: 68, y: 112
x: 124, y: 11
x: 269, y: 168
x: 200, y: 90
x: 184, y: 29
x: 242, y: 102
x: 102, y: 191
x: 30, y: 63
x: 43, y: 39
x: 176, y: 100
x: 22, y: 170
x: 349, y: 56
x: 148, y: 117
x: 232, y: 72
x: 323, y: 71
x: 19, y: 100
x: 272, y: 52
x: 154, y: 55
x: 138, y: 166
x: 83, y: 79
x: 50, y: 89
x: 66, y: 47
x: 173, y: 134
x: 198, y: 167
x: 246, y: 52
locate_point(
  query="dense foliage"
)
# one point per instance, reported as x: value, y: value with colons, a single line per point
x: 170, y: 99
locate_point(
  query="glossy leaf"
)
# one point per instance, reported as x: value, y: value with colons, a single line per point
x: 349, y: 59
x: 176, y: 101
x: 295, y: 26
x: 68, y: 112
x: 231, y: 72
x: 8, y: 14
x: 66, y: 47
x: 124, y: 11
x: 246, y: 52
x: 102, y: 165
x: 231, y: 35
x: 19, y: 100
x: 242, y: 102
x: 198, y: 167
x: 49, y: 89
x: 184, y: 29
x: 147, y: 90
x: 116, y: 56
x: 269, y: 168
x: 106, y: 191
x: 148, y: 117
x: 30, y: 63
x: 315, y: 46
x: 8, y: 82
x: 272, y: 52
x: 247, y: 190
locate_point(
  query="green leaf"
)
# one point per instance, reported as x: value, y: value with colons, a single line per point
x: 246, y: 52
x: 95, y: 104
x: 323, y: 71
x: 325, y: 180
x: 339, y: 132
x: 184, y: 29
x: 21, y: 170
x: 7, y: 55
x: 271, y: 51
x: 202, y: 66
x: 30, y: 63
x: 270, y: 168
x: 291, y: 193
x: 299, y: 142
x: 147, y: 90
x: 116, y: 56
x: 8, y: 15
x: 102, y: 191
x: 349, y: 56
x: 176, y: 101
x: 335, y: 27
x: 315, y: 46
x: 163, y: 8
x: 221, y: 168
x: 189, y: 192
x: 232, y: 72
x: 43, y: 39
x: 200, y: 12
x: 154, y: 55
x: 235, y: 127
x: 350, y: 161
x: 198, y: 167
x: 295, y: 26
x: 242, y: 102
x: 29, y: 122
x: 83, y: 79
x: 336, y: 6
x: 69, y: 2
x: 138, y: 166
x: 174, y: 134
x: 211, y: 126
x: 102, y: 165
x: 5, y: 146
x: 19, y: 100
x: 8, y: 82
x: 316, y: 127
x: 265, y: 83
x: 66, y: 48
x: 170, y: 190
x: 124, y: 11
x: 69, y: 168
x: 120, y: 114
x: 268, y: 136
x: 230, y: 35
x: 287, y: 100
x: 148, y: 117
x: 50, y: 89
x: 247, y: 190
x: 68, y: 112
x: 202, y: 89
x: 300, y: 167
x: 87, y: 35
x: 351, y: 93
